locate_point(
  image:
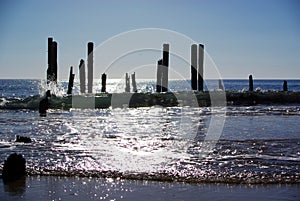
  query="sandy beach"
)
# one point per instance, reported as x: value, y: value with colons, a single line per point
x: 81, y: 188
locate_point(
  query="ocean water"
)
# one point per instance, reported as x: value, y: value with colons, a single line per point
x: 232, y: 145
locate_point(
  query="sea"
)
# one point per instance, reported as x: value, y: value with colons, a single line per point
x: 232, y: 144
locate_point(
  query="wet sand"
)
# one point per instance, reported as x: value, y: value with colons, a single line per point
x: 75, y: 188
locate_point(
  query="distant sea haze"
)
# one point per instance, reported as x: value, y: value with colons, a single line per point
x: 16, y: 88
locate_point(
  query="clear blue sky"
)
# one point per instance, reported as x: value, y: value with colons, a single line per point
x: 259, y: 37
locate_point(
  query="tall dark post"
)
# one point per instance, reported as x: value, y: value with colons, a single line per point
x: 250, y: 83
x: 82, y: 76
x: 52, y: 61
x: 165, y: 68
x: 200, y: 67
x: 221, y: 87
x: 103, y: 83
x: 134, y: 89
x: 159, y: 76
x: 194, y: 67
x: 127, y: 81
x: 49, y: 69
x: 90, y: 67
x: 71, y: 81
x: 285, y: 86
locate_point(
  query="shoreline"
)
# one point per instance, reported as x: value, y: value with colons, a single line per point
x: 88, y: 188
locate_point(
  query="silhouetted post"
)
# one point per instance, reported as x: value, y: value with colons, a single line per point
x: 159, y: 76
x: 90, y: 67
x: 165, y: 68
x: 52, y: 61
x: 103, y: 83
x: 194, y: 67
x: 285, y: 86
x: 200, y: 67
x: 44, y: 104
x: 127, y: 81
x: 71, y: 81
x: 50, y: 68
x: 250, y: 83
x: 14, y: 168
x: 133, y: 83
x: 221, y: 87
x: 82, y: 76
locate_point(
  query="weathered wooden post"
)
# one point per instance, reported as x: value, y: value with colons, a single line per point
x: 200, y: 67
x: 82, y: 76
x: 71, y: 81
x: 127, y: 82
x: 14, y: 169
x: 52, y: 61
x: 250, y: 83
x: 194, y: 67
x: 285, y: 86
x: 221, y: 87
x: 165, y: 68
x: 90, y: 67
x: 44, y: 104
x: 103, y: 83
x: 49, y: 69
x: 159, y: 76
x: 134, y: 89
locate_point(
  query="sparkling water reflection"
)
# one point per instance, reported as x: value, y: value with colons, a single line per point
x: 258, y: 144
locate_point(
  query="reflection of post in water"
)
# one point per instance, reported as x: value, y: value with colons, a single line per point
x: 201, y: 131
x: 16, y: 188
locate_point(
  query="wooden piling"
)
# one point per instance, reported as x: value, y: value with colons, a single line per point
x: 127, y: 82
x: 165, y: 68
x: 52, y: 61
x: 194, y: 67
x: 103, y: 83
x: 285, y: 86
x: 134, y: 89
x: 250, y: 83
x: 44, y: 104
x: 221, y: 87
x: 49, y: 69
x: 200, y: 66
x: 159, y: 76
x: 90, y: 66
x: 82, y: 76
x: 71, y: 81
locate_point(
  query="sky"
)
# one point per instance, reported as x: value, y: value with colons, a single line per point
x: 241, y: 37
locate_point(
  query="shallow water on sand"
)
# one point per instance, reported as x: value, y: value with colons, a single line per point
x: 73, y: 188
x: 257, y: 144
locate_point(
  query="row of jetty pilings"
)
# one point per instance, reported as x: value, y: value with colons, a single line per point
x: 251, y: 88
x: 197, y: 70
